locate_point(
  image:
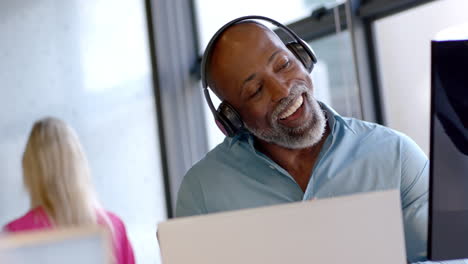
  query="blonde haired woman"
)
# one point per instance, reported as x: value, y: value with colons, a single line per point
x: 57, y: 177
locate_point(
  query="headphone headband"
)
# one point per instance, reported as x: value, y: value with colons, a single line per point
x: 209, y: 47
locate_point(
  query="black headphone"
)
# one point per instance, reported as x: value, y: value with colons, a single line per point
x: 226, y: 117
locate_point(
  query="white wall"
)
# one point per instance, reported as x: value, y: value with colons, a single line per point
x: 88, y: 63
x: 403, y: 48
x: 213, y: 14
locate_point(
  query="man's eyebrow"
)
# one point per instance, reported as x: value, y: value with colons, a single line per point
x: 251, y: 77
x: 273, y: 55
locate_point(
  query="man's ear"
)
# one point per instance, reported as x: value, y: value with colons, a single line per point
x: 216, y: 90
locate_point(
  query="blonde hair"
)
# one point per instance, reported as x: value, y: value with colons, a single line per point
x: 57, y: 175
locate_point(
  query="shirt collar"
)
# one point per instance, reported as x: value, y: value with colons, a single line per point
x: 244, y: 135
x: 332, y: 118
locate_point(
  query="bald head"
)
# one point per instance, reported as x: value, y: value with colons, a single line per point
x: 235, y: 47
x: 253, y: 71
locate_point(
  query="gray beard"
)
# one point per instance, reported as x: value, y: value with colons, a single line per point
x: 306, y: 135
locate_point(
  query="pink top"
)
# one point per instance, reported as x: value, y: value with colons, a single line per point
x: 38, y: 219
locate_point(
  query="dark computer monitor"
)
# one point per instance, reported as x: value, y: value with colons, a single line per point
x: 448, y: 198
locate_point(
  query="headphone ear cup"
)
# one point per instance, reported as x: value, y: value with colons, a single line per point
x: 222, y: 125
x: 303, y: 53
x: 228, y: 120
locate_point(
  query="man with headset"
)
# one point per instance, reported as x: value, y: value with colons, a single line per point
x: 283, y: 145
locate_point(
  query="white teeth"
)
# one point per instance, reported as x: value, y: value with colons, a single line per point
x: 293, y: 108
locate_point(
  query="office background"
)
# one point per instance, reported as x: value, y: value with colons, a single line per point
x: 124, y: 74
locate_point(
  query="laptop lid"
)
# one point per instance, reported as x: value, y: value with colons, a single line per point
x: 77, y: 245
x: 363, y: 228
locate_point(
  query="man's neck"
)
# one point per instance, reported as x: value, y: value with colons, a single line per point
x: 298, y: 162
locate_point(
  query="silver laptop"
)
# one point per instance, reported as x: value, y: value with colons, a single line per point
x: 70, y: 246
x: 363, y: 228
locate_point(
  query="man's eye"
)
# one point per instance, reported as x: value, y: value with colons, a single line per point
x: 285, y: 65
x: 257, y: 91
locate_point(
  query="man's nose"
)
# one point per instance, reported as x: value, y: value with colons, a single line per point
x: 278, y: 89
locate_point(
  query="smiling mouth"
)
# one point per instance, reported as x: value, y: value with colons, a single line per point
x: 294, y: 106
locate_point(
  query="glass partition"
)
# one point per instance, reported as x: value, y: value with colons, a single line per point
x: 88, y: 63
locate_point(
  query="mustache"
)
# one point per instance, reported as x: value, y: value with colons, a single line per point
x: 295, y: 91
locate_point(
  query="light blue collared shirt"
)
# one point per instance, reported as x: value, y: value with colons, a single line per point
x: 356, y: 157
